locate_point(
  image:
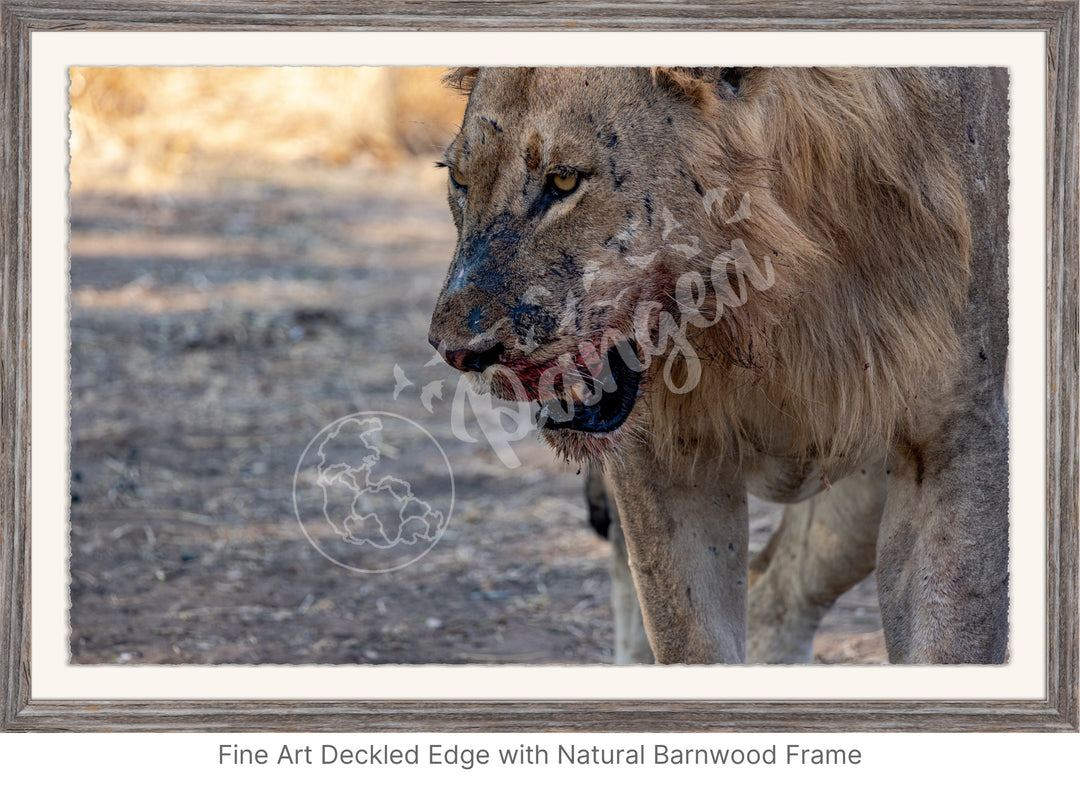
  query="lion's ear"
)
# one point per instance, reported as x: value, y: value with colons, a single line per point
x: 461, y: 79
x: 687, y: 83
x: 703, y: 86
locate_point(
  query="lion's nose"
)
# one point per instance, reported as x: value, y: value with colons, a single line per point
x: 477, y: 357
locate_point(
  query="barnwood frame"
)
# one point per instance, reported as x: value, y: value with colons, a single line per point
x: 1057, y: 711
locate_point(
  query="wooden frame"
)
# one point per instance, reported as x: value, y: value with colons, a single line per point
x: 1059, y: 711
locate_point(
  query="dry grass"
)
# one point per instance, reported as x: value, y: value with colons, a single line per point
x: 148, y: 128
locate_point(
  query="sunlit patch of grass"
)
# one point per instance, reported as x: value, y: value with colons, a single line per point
x: 149, y: 128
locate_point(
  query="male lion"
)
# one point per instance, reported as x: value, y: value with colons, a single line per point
x: 789, y: 282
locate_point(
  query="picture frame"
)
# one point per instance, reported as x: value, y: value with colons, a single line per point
x: 1057, y: 711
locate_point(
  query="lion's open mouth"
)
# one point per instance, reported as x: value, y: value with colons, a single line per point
x: 601, y: 408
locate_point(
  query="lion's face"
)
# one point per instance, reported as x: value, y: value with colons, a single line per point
x: 563, y: 185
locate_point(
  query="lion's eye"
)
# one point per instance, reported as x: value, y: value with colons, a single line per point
x: 458, y: 178
x: 564, y: 183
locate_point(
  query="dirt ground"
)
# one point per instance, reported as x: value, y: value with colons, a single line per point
x: 216, y: 330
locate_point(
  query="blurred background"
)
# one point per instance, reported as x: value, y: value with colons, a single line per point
x: 255, y: 254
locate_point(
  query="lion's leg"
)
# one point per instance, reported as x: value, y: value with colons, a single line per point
x: 686, y: 537
x: 944, y: 545
x: 823, y: 547
x: 631, y: 643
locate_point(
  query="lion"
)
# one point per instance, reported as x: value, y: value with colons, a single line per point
x: 787, y: 282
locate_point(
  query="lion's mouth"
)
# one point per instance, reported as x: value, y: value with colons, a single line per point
x: 602, y: 408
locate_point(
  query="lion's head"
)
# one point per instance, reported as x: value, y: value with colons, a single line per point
x: 630, y: 234
x: 576, y: 215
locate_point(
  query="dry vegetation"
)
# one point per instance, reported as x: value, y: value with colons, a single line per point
x: 150, y: 128
x: 253, y: 252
